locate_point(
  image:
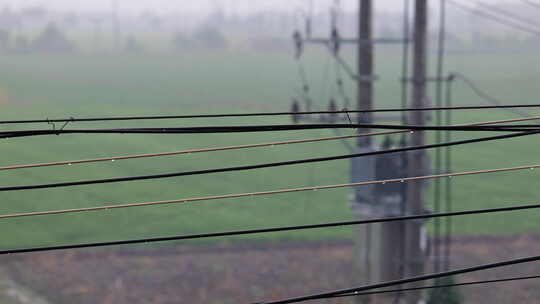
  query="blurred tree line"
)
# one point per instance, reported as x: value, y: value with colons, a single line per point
x: 37, y: 30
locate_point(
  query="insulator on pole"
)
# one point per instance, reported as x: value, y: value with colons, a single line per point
x: 332, y: 107
x: 298, y: 44
x: 308, y: 27
x: 335, y: 41
x: 295, y: 109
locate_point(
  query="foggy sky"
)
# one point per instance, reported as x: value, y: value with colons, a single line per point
x: 199, y: 6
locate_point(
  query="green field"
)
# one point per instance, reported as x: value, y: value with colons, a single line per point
x: 37, y: 87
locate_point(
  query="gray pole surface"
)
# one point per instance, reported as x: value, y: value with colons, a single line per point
x: 365, y: 66
x: 416, y: 160
x: 364, y: 169
x: 369, y: 237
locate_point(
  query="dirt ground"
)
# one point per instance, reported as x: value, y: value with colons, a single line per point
x: 246, y: 273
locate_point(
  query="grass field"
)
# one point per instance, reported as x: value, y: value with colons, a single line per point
x: 49, y: 86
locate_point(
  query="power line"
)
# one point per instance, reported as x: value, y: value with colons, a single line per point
x: 259, y: 166
x: 494, y: 18
x: 437, y: 286
x: 407, y: 280
x: 261, y: 128
x: 264, y: 230
x: 166, y: 117
x: 531, y: 3
x: 505, y: 13
x: 193, y: 151
x: 490, y: 99
x: 216, y: 149
x: 265, y: 193
x: 484, y: 95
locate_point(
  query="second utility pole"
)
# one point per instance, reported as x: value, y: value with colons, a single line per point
x: 417, y: 160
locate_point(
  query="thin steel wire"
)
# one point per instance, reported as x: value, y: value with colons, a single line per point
x: 531, y: 3
x: 108, y: 206
x: 495, y: 18
x: 266, y: 230
x: 507, y: 14
x: 484, y: 95
x: 259, y: 166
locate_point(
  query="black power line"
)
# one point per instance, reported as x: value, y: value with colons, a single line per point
x: 260, y: 166
x: 437, y: 286
x: 405, y: 281
x: 265, y: 128
x: 266, y: 230
x: 165, y: 117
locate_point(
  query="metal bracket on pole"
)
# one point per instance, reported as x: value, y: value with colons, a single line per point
x: 423, y: 80
x: 367, y: 78
x: 359, y: 41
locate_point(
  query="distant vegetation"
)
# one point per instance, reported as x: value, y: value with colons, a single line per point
x: 206, y: 37
x: 258, y: 31
x: 52, y: 40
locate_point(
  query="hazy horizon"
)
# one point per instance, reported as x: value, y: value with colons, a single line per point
x: 200, y: 6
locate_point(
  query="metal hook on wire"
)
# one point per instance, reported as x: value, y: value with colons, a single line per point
x: 72, y: 119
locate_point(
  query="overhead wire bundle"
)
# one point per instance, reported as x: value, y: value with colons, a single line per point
x: 513, y: 130
x: 493, y: 126
x: 471, y: 127
x: 521, y: 133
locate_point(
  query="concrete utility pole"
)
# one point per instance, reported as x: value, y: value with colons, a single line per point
x: 365, y: 66
x: 415, y: 240
x: 380, y: 247
x: 363, y: 168
x: 377, y: 245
